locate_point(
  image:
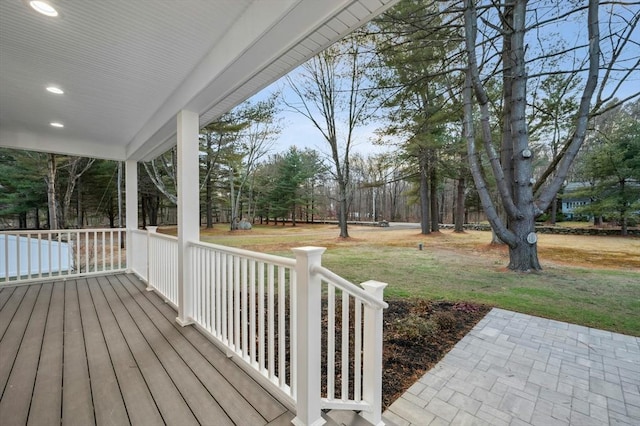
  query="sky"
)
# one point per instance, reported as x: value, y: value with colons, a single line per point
x: 298, y: 131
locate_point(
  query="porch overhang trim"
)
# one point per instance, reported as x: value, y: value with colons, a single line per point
x: 49, y: 142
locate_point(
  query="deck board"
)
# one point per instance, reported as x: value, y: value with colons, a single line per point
x: 257, y: 396
x: 140, y: 404
x: 10, y: 307
x: 231, y: 401
x: 10, y: 341
x: 171, y: 404
x: 196, y: 396
x: 46, y: 400
x: 15, y: 408
x: 108, y: 404
x: 77, y: 403
x: 5, y: 294
x: 104, y: 351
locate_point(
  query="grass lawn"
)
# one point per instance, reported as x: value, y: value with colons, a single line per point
x: 587, y: 280
x: 606, y: 299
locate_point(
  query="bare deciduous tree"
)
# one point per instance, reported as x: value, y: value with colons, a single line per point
x: 75, y: 168
x: 330, y: 86
x: 512, y: 166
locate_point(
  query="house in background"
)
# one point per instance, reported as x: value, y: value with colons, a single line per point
x: 573, y: 196
x: 128, y: 80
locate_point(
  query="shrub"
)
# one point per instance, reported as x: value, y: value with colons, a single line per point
x: 445, y: 320
x: 466, y: 307
x: 417, y: 327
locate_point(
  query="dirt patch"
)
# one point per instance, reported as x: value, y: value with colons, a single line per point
x: 418, y: 334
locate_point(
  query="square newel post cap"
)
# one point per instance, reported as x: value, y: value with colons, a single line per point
x: 152, y: 228
x: 309, y: 249
x: 374, y: 288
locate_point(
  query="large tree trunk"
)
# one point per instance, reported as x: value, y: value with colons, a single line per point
x: 516, y: 193
x: 209, y: 184
x: 313, y: 201
x: 459, y: 211
x: 623, y: 212
x: 209, y: 204
x: 154, y: 210
x: 111, y: 213
x: 293, y: 215
x: 433, y: 198
x: 22, y: 220
x: 234, y: 219
x: 79, y: 211
x: 75, y: 170
x: 37, y: 218
x: 143, y: 210
x: 343, y: 207
x: 51, y: 191
x: 597, y: 220
x: 524, y: 255
x: 424, y: 198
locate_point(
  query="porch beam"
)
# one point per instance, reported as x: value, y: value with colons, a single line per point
x: 188, y: 208
x: 131, y: 204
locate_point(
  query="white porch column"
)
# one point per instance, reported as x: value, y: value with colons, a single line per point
x: 188, y: 208
x: 131, y: 203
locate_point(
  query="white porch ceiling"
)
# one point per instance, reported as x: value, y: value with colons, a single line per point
x: 128, y: 66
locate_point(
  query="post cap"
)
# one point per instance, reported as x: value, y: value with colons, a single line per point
x: 375, y: 288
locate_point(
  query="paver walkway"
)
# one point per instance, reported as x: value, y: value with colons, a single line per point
x: 516, y: 369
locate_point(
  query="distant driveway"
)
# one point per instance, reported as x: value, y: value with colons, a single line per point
x: 404, y: 225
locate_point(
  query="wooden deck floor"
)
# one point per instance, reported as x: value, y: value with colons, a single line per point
x: 104, y: 351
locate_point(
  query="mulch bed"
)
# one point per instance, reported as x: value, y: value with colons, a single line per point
x: 417, y: 334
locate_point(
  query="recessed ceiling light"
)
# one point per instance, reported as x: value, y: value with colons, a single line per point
x: 56, y: 90
x: 56, y: 124
x: 43, y: 7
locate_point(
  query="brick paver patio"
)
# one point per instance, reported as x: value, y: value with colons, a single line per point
x: 516, y: 369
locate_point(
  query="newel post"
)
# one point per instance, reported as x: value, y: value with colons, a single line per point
x: 372, y: 357
x: 150, y: 260
x: 308, y: 306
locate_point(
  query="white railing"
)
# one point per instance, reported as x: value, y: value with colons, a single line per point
x: 27, y: 256
x: 244, y: 300
x: 352, y: 355
x: 163, y: 265
x: 267, y: 312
